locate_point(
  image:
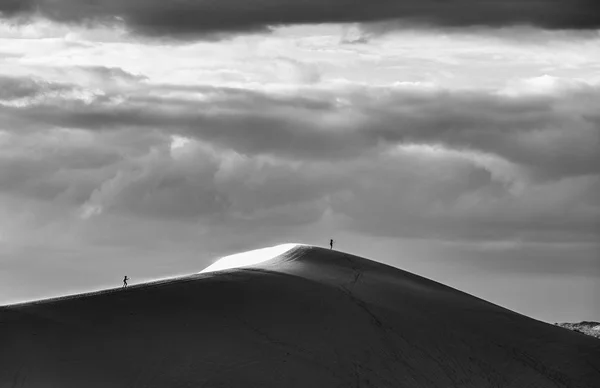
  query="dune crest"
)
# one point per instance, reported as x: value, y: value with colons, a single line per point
x: 252, y: 257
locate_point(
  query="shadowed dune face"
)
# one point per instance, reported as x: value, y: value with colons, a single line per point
x: 310, y: 317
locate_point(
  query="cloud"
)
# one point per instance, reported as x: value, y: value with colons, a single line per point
x: 191, y: 19
x: 452, y: 199
x: 55, y: 165
x: 110, y: 74
x: 16, y: 88
x: 5, y: 55
x: 393, y: 161
x: 291, y: 70
x: 551, y: 136
x: 517, y: 33
x: 160, y: 185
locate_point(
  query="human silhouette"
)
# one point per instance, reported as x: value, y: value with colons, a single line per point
x: 331, y: 244
x: 125, y: 279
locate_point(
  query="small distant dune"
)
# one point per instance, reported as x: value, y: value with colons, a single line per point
x: 302, y: 317
x: 585, y: 327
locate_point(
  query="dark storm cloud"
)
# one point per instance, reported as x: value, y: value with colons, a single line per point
x: 191, y: 18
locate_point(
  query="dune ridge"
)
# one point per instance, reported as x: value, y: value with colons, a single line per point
x: 306, y: 317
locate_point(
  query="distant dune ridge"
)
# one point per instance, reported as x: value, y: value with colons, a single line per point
x: 308, y: 317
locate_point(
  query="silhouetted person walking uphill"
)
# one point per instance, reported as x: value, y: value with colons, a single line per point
x: 125, y: 279
x: 331, y: 244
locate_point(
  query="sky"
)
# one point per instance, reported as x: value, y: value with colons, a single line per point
x: 459, y: 140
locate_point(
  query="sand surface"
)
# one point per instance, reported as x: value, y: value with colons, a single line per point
x: 310, y: 317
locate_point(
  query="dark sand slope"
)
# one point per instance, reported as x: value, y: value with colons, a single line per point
x: 309, y: 318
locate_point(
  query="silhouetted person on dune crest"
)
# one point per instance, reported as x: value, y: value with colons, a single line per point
x: 331, y: 244
x: 125, y: 279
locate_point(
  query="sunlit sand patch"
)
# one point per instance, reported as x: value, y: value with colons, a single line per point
x: 248, y: 258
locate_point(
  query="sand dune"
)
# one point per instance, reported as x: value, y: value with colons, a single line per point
x: 309, y: 317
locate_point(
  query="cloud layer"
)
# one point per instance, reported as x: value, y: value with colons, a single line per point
x: 193, y: 18
x: 393, y: 162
